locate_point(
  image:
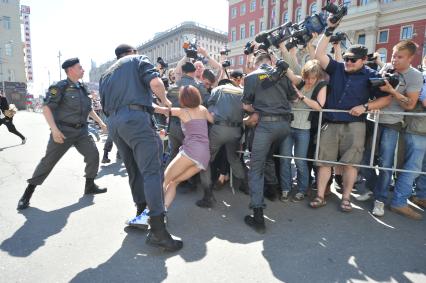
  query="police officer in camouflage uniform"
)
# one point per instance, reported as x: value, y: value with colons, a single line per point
x: 66, y: 110
x: 226, y: 106
x: 126, y: 94
x: 269, y: 97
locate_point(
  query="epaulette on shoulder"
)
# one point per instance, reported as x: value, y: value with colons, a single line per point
x: 58, y: 88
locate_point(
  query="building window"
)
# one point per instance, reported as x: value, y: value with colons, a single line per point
x: 386, y: 1
x: 383, y: 54
x: 5, y: 1
x: 8, y: 50
x: 6, y: 22
x: 233, y: 35
x: 363, y: 2
x: 313, y: 9
x: 232, y: 61
x: 243, y: 9
x: 11, y: 75
x: 242, y: 32
x: 262, y: 26
x: 233, y: 12
x: 347, y: 3
x: 241, y: 60
x: 252, y: 30
x: 361, y: 39
x: 285, y: 17
x: 253, y: 5
x: 298, y: 15
x: 406, y: 32
x: 273, y: 2
x: 262, y: 3
x: 383, y: 36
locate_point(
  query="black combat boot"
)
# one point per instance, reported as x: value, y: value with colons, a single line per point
x: 105, y: 159
x: 270, y: 192
x: 91, y: 188
x: 24, y: 202
x: 208, y: 199
x: 257, y: 222
x: 241, y: 185
x: 159, y: 237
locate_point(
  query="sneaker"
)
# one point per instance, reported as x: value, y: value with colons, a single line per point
x: 298, y: 197
x: 140, y: 221
x: 284, y: 196
x: 379, y: 208
x: 365, y: 196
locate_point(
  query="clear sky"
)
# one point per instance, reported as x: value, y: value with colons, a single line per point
x: 91, y: 29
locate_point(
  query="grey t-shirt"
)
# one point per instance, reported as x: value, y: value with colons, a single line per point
x: 409, y: 81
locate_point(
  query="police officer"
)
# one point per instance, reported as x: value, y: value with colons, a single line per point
x: 126, y: 94
x: 66, y: 110
x: 226, y: 106
x: 269, y: 97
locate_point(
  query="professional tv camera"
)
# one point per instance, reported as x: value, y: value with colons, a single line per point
x: 225, y: 51
x: 190, y: 47
x: 338, y: 11
x: 389, y: 76
x: 274, y: 36
x: 163, y: 64
x: 249, y: 48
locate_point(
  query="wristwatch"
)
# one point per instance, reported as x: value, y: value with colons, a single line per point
x: 302, y: 98
x: 366, y: 107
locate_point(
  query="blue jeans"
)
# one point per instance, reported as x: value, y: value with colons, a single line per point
x: 421, y: 182
x: 388, y: 140
x: 300, y: 140
x: 415, y: 151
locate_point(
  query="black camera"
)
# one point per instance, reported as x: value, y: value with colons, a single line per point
x: 225, y: 51
x: 191, y: 48
x: 371, y: 61
x: 163, y: 64
x: 226, y: 64
x: 338, y: 11
x: 302, y: 32
x: 392, y: 78
x: 279, y: 71
x: 274, y: 36
x: 249, y: 48
x: 339, y: 36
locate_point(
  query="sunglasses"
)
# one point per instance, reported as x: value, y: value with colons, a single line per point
x: 353, y: 60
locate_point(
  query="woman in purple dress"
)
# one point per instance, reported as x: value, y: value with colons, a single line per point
x: 194, y: 154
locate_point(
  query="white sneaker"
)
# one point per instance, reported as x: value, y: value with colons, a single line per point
x: 284, y: 196
x: 379, y: 208
x: 140, y: 221
x: 365, y: 196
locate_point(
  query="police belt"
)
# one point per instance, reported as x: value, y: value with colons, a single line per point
x: 228, y: 124
x: 275, y: 118
x: 71, y: 125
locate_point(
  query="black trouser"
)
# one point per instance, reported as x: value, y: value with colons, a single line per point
x: 11, y: 127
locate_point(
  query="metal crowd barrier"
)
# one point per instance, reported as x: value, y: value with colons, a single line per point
x: 376, y: 115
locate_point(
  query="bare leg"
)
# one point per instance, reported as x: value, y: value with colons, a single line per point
x: 176, y: 167
x: 171, y: 188
x: 349, y: 176
x: 324, y: 173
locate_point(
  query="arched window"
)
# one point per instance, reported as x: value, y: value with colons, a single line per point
x: 383, y: 54
x: 298, y: 15
x: 285, y: 17
x: 313, y: 8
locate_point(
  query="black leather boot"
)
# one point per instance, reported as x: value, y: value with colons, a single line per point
x: 159, y: 237
x: 24, y: 202
x: 208, y: 199
x: 91, y: 188
x: 257, y: 222
x: 105, y: 158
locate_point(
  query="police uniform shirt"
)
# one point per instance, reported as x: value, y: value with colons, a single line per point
x: 69, y: 102
x: 225, y: 103
x: 188, y: 80
x: 127, y: 82
x: 271, y: 100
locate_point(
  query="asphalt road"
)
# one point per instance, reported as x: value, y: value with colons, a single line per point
x: 65, y: 236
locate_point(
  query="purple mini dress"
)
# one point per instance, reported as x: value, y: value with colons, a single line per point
x: 196, y: 142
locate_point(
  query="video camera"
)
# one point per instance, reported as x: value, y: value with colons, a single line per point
x: 338, y: 11
x: 225, y: 51
x: 279, y: 71
x: 339, y: 36
x: 226, y: 64
x: 191, y: 49
x: 389, y: 76
x: 163, y: 64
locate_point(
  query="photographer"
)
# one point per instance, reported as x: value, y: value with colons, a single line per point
x: 343, y: 134
x: 268, y: 95
x: 405, y: 97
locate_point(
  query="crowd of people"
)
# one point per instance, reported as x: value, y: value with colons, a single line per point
x: 217, y: 121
